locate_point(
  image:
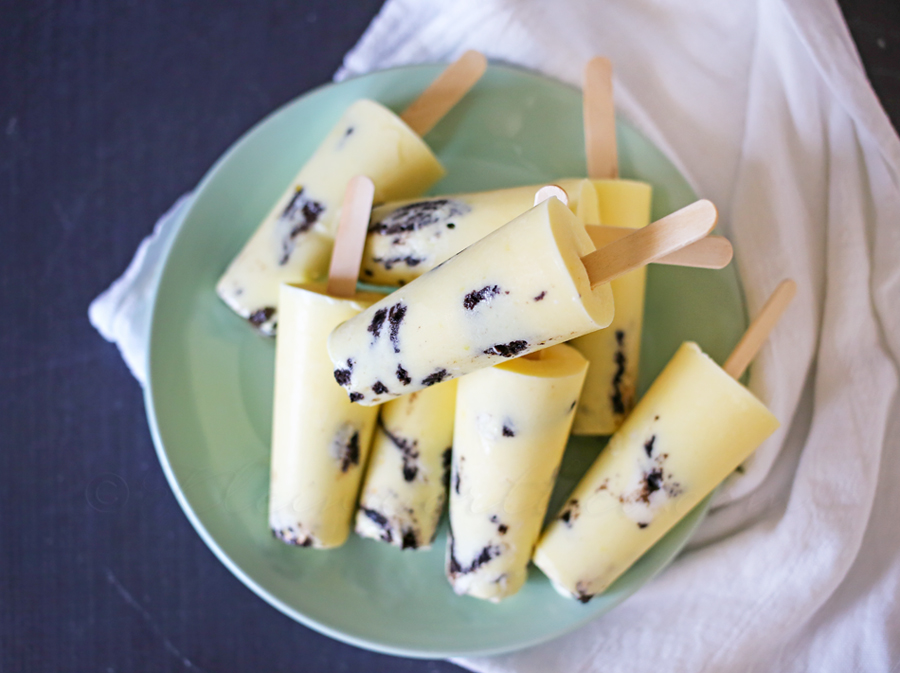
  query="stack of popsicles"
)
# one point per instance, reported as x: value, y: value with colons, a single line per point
x: 460, y: 385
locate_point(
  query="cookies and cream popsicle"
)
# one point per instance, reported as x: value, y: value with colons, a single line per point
x: 512, y: 424
x: 609, y: 391
x: 320, y: 440
x: 409, y: 237
x: 405, y: 486
x: 692, y: 428
x: 534, y: 282
x: 614, y: 353
x: 293, y: 242
x: 519, y: 289
x: 618, y: 205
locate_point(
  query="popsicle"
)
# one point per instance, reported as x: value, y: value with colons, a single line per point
x: 693, y: 427
x: 320, y: 440
x: 614, y: 353
x: 512, y: 424
x: 293, y: 242
x: 405, y: 486
x: 409, y: 237
x: 534, y: 282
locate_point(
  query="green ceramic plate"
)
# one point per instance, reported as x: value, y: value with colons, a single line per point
x: 209, y: 394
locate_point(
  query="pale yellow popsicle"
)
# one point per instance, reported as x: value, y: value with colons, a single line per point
x: 693, y: 427
x: 512, y: 424
x: 405, y: 487
x: 409, y: 237
x: 519, y: 289
x: 320, y: 440
x: 614, y: 353
x: 293, y: 243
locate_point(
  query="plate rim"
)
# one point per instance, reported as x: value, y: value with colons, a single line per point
x: 159, y: 447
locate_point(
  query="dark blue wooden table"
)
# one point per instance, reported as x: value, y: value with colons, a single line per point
x: 108, y: 112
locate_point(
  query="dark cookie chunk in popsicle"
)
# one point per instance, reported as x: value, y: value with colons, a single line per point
x: 618, y: 395
x: 409, y: 470
x: 377, y: 321
x: 507, y: 350
x: 446, y: 461
x: 298, y: 217
x: 653, y: 479
x: 418, y: 215
x: 570, y: 512
x: 652, y: 482
x: 541, y: 296
x: 348, y: 451
x: 381, y: 521
x: 293, y: 536
x: 435, y: 377
x: 390, y: 262
x: 347, y: 133
x: 375, y: 516
x: 356, y: 397
x: 484, y: 556
x: 475, y: 297
x: 409, y: 450
x: 379, y: 388
x: 403, y: 375
x: 395, y: 317
x: 508, y: 430
x: 409, y: 540
x: 502, y: 528
x: 261, y: 316
x: 582, y: 594
x: 342, y: 376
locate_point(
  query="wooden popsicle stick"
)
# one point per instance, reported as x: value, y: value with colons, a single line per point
x: 547, y: 191
x: 759, y: 329
x: 600, y: 120
x: 351, y: 237
x: 712, y: 252
x: 444, y: 92
x: 650, y: 243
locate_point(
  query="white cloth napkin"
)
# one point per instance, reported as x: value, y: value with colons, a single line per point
x: 122, y: 313
x: 765, y: 108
